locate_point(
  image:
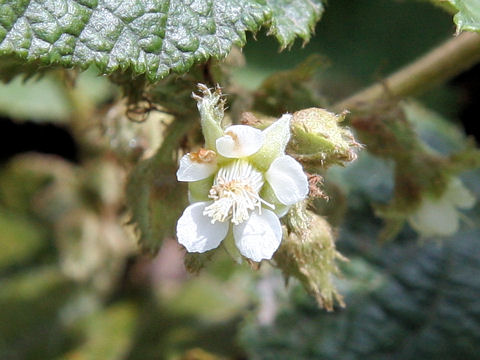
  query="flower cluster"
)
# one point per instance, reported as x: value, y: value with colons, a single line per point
x: 239, y: 187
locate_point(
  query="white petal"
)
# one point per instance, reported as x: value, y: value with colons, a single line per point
x: 287, y: 179
x: 435, y: 217
x: 196, y: 232
x: 258, y: 237
x: 240, y: 141
x: 193, y: 171
x: 459, y: 195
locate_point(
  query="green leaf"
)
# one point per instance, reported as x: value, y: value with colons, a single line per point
x: 468, y: 15
x: 154, y: 196
x: 294, y: 18
x: 22, y: 238
x: 148, y: 37
x: 422, y: 305
x: 291, y: 90
x: 108, y: 333
x: 202, y: 314
x: 406, y: 301
x: 31, y: 303
x: 45, y: 98
x: 42, y: 100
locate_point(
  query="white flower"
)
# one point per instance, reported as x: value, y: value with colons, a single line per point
x: 439, y: 216
x: 241, y: 188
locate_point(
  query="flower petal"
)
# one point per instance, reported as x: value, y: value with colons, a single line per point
x: 287, y: 179
x: 240, y: 141
x: 196, y: 232
x: 258, y: 237
x: 458, y: 194
x: 435, y: 218
x: 277, y: 136
x: 193, y: 171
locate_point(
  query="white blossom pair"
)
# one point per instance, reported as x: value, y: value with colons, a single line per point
x: 239, y: 186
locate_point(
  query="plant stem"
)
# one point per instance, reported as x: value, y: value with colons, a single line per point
x: 174, y: 133
x: 441, y: 64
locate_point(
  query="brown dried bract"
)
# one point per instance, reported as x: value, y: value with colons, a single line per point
x: 203, y: 156
x: 314, y: 183
x: 248, y: 118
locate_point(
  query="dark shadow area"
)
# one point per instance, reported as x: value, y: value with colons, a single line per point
x: 19, y: 137
x: 468, y: 84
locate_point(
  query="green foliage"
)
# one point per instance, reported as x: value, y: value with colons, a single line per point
x: 29, y: 303
x: 291, y: 90
x: 467, y: 16
x: 308, y: 254
x: 37, y: 100
x: 404, y: 300
x: 467, y: 13
x: 294, y: 18
x: 151, y: 37
x: 407, y: 302
x: 154, y: 195
x: 21, y: 239
x: 419, y: 172
x: 109, y: 333
x: 48, y: 97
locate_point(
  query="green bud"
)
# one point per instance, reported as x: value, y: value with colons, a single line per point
x: 308, y: 253
x: 211, y: 108
x: 318, y: 140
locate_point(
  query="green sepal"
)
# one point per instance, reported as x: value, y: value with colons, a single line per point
x: 230, y: 247
x: 198, y: 190
x: 269, y: 196
x: 277, y: 136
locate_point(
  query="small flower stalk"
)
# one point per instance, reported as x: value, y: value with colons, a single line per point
x: 240, y: 184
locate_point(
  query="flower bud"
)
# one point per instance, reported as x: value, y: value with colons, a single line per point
x: 211, y: 107
x: 318, y: 140
x: 308, y: 253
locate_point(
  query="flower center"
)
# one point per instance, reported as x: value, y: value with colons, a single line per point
x: 235, y: 193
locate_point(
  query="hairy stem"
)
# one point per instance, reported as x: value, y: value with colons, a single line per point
x: 441, y: 64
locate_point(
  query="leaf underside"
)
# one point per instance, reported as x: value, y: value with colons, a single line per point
x: 151, y: 37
